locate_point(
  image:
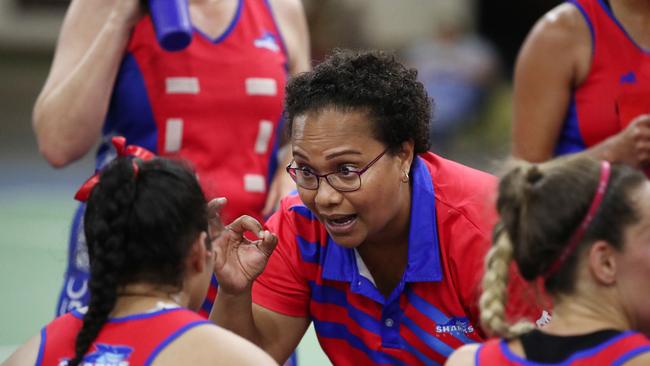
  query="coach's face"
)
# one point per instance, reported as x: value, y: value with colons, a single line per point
x: 367, y: 208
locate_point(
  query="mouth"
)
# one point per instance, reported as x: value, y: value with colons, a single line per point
x: 340, y: 224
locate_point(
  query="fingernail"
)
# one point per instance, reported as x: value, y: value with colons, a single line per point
x: 261, y: 234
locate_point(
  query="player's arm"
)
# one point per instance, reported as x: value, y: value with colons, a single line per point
x: 70, y: 109
x: 275, y: 333
x: 554, y: 58
x: 292, y: 22
x: 25, y: 354
x: 239, y: 261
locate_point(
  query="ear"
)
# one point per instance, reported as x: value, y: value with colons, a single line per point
x: 196, y: 258
x: 406, y: 155
x: 602, y: 262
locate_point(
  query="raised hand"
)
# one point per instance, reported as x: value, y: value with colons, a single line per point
x: 632, y: 145
x: 240, y: 260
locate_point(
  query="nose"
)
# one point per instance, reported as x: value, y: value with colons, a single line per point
x: 326, y: 195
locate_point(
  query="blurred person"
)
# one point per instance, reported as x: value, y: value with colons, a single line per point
x: 458, y: 68
x: 382, y: 247
x: 217, y: 103
x: 151, y: 261
x: 582, y: 83
x: 589, y: 247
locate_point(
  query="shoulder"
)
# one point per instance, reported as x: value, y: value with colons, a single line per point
x: 292, y: 9
x: 563, y: 26
x: 462, y: 190
x: 290, y: 17
x: 642, y: 359
x: 26, y: 354
x: 204, y: 344
x: 464, y: 356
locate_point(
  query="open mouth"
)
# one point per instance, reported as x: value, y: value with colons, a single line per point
x: 340, y: 224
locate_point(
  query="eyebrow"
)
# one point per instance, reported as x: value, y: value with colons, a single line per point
x: 332, y: 155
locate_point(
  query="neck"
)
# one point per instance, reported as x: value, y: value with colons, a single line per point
x: 585, y: 314
x: 141, y: 297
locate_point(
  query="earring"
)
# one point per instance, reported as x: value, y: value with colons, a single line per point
x: 405, y: 177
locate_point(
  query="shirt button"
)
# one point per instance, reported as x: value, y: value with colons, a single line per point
x: 359, y: 283
x: 389, y: 322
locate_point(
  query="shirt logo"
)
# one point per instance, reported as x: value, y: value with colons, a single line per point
x: 544, y: 319
x: 268, y: 41
x: 628, y: 78
x: 455, y: 325
x: 105, y: 355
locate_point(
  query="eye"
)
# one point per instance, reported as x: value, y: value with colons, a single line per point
x: 304, y: 172
x: 346, y: 170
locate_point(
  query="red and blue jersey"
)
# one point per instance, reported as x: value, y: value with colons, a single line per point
x: 615, y: 351
x: 431, y: 312
x: 218, y: 103
x: 131, y: 340
x: 619, y: 76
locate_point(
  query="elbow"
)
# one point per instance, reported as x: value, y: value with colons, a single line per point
x: 49, y: 146
x: 53, y: 155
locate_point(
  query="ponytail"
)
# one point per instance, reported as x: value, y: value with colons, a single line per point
x: 493, y: 300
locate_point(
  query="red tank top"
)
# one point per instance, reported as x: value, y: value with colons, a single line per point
x: 218, y: 103
x: 612, y: 352
x: 129, y: 341
x: 617, y: 87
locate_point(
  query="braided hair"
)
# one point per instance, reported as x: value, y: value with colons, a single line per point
x: 540, y: 207
x: 140, y: 223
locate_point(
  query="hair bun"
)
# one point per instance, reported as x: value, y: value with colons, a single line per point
x: 533, y: 175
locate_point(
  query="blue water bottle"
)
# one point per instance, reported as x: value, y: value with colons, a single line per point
x: 171, y: 20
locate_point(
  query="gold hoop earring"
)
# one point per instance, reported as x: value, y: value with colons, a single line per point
x: 405, y: 177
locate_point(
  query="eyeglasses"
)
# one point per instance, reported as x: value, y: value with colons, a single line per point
x: 343, y: 180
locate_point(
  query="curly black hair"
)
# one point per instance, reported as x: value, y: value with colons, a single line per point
x: 366, y: 80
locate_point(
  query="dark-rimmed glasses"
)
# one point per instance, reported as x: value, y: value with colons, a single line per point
x: 343, y: 180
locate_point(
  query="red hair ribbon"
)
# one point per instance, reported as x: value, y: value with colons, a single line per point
x: 122, y: 150
x: 605, y: 172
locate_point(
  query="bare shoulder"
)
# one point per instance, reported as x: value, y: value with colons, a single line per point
x: 290, y: 16
x: 25, y: 354
x: 209, y: 345
x: 562, y: 26
x: 642, y: 359
x: 464, y: 356
x: 290, y: 8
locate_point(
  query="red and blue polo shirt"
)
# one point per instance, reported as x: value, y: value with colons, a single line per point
x: 432, y: 311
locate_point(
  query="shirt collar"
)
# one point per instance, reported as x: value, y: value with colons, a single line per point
x: 423, y: 264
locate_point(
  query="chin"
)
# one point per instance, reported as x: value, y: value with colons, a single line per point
x: 346, y: 241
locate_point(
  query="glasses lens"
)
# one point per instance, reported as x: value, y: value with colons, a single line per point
x: 305, y: 178
x: 345, y: 181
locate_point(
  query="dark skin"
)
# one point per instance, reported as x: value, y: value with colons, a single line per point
x: 387, y: 264
x: 327, y: 140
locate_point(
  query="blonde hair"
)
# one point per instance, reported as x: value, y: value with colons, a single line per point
x: 493, y: 300
x: 540, y: 206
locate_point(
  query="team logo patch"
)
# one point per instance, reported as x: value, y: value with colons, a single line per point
x: 628, y: 78
x: 455, y: 325
x: 544, y: 319
x: 105, y: 355
x: 268, y: 41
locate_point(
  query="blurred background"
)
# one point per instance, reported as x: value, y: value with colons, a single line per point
x: 464, y: 51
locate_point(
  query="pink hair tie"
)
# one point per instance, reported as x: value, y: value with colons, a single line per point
x: 605, y: 172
